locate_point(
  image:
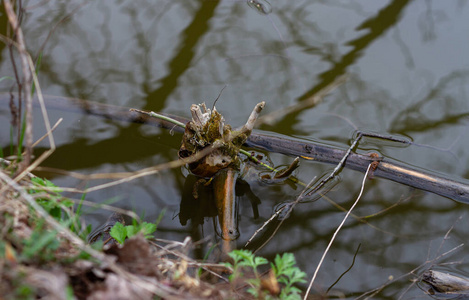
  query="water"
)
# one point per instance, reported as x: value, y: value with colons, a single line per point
x: 407, y: 70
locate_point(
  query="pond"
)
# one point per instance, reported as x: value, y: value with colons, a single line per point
x: 406, y: 71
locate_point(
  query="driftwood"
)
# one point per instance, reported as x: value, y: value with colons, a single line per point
x: 446, y: 283
x: 386, y: 168
x: 222, y: 165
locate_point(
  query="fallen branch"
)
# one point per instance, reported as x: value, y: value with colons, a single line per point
x: 387, y: 168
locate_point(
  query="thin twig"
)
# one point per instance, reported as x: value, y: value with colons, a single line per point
x: 339, y: 166
x: 194, y: 263
x: 27, y: 81
x: 275, y: 215
x: 336, y: 232
x: 127, y: 176
x: 305, y: 191
x: 29, y: 76
x: 56, y: 25
x: 162, y: 117
x: 48, y: 132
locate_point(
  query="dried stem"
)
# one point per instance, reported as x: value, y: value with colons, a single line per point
x: 27, y: 82
x: 48, y: 132
x: 249, y: 126
x: 336, y: 232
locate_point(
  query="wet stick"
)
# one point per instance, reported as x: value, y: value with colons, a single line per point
x: 406, y: 174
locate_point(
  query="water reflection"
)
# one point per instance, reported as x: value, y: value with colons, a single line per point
x: 430, y: 112
x: 183, y: 56
x: 376, y: 27
x: 200, y: 200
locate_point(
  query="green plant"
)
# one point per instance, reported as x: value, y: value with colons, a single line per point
x: 59, y: 207
x: 120, y: 232
x: 24, y: 291
x: 41, y: 244
x: 284, y: 269
x: 287, y: 273
x: 52, y: 203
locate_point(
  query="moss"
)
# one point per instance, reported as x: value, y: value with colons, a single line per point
x: 214, y: 131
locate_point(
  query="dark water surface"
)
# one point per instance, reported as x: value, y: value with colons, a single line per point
x: 408, y: 68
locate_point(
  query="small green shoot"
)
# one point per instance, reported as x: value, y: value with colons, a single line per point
x: 59, y: 207
x: 284, y: 268
x: 21, y: 139
x: 245, y: 258
x: 288, y: 274
x: 206, y: 256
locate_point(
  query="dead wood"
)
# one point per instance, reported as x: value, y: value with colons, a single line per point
x: 447, y: 283
x: 386, y: 168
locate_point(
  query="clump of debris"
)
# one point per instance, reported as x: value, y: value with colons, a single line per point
x: 207, y: 128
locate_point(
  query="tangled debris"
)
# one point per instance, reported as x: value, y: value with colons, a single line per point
x: 208, y: 128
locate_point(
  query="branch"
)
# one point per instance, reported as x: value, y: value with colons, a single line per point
x: 387, y: 168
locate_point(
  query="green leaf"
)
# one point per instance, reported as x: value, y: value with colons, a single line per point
x: 298, y: 276
x: 55, y: 212
x: 131, y: 230
x: 40, y: 241
x: 118, y: 232
x: 45, y: 182
x: 67, y: 202
x: 260, y: 261
x: 253, y: 292
x: 289, y: 296
x: 148, y: 228
x: 284, y: 262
